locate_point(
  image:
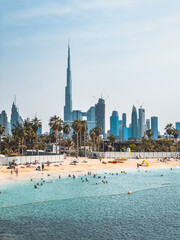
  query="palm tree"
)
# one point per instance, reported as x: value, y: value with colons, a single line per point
x: 53, y: 123
x: 98, y: 132
x: 175, y: 134
x: 112, y: 139
x: 93, y: 136
x: 2, y: 130
x: 36, y: 124
x: 149, y: 133
x: 169, y: 131
x: 77, y: 126
x: 84, y: 130
x: 60, y: 128
x: 66, y: 129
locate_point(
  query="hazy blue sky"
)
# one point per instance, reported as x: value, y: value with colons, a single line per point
x: 127, y: 49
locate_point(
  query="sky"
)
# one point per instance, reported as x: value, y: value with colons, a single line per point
x: 126, y: 50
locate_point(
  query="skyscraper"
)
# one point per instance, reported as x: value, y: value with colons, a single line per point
x: 147, y: 124
x: 4, y: 121
x: 134, y: 126
x: 141, y: 123
x: 114, y: 124
x: 120, y: 130
x: 15, y: 117
x: 68, y: 92
x: 154, y: 127
x: 177, y: 125
x: 100, y: 115
x: 124, y: 120
x: 123, y: 125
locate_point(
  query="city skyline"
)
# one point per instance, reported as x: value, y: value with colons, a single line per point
x: 119, y: 48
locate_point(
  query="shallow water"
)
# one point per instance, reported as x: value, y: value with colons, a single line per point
x: 70, y: 209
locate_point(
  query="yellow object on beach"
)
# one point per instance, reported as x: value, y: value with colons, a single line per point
x: 121, y: 159
x: 144, y: 163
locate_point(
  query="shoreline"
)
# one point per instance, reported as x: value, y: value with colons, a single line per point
x: 80, y: 169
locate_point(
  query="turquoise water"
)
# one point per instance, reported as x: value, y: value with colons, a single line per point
x: 71, y: 209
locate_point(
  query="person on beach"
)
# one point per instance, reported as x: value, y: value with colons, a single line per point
x: 16, y: 171
x: 11, y: 172
x: 42, y: 167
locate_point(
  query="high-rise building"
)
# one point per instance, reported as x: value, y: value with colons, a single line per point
x: 134, y: 126
x: 114, y: 124
x: 177, y: 125
x: 4, y: 121
x: 100, y: 115
x: 120, y: 130
x: 15, y: 117
x: 76, y: 114
x: 147, y: 127
x: 141, y: 123
x: 68, y: 92
x: 124, y: 120
x: 91, y: 114
x: 154, y: 127
x: 123, y: 126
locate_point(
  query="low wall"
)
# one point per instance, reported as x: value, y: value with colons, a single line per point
x: 32, y: 159
x: 142, y: 154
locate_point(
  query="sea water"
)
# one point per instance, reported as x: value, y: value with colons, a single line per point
x: 68, y: 208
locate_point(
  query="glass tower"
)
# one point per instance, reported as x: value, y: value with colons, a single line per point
x: 68, y: 92
x: 134, y: 126
x: 15, y: 117
x: 100, y: 115
x: 154, y: 127
x: 141, y: 123
x: 114, y: 124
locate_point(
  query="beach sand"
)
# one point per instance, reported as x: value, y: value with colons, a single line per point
x: 93, y: 165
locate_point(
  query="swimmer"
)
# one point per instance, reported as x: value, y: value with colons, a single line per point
x: 104, y: 177
x: 69, y: 175
x: 35, y: 186
x: 59, y: 176
x: 41, y: 184
x: 43, y: 180
x: 31, y: 179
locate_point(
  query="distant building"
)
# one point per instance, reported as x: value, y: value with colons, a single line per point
x: 177, y: 125
x: 134, y: 125
x: 141, y: 123
x: 154, y: 127
x: 147, y: 127
x: 127, y: 133
x: 39, y: 131
x: 68, y: 92
x: 77, y: 114
x: 100, y: 115
x: 91, y: 114
x: 120, y: 130
x: 4, y: 122
x: 15, y: 117
x: 114, y: 124
x: 123, y: 123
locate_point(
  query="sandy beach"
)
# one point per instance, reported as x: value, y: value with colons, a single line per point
x: 93, y: 165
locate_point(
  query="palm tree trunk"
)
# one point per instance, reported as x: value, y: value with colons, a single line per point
x: 84, y: 145
x: 0, y: 143
x: 98, y: 143
x: 77, y: 145
x: 60, y: 143
x: 56, y: 142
